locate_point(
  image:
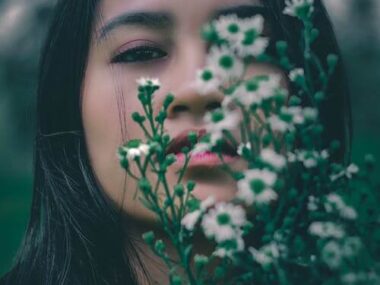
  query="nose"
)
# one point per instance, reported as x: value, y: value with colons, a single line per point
x: 188, y: 102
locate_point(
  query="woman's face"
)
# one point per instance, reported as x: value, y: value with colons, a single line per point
x: 165, y: 43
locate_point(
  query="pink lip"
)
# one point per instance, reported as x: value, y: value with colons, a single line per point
x: 206, y: 158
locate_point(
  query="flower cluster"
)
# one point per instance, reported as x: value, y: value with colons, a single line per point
x: 297, y: 211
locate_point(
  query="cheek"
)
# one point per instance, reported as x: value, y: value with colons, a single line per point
x: 106, y: 113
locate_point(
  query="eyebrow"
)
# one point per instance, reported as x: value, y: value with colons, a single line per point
x: 150, y: 20
x: 164, y: 20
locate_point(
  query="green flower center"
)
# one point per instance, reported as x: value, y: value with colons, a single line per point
x: 223, y: 219
x: 233, y: 28
x: 251, y: 86
x: 207, y: 75
x: 217, y: 116
x: 250, y: 37
x: 226, y: 61
x: 257, y: 186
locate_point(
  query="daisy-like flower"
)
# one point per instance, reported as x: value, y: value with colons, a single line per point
x: 190, y: 219
x: 145, y: 81
x: 220, y: 120
x: 247, y: 93
x: 256, y: 90
x: 134, y: 149
x: 268, y: 87
x: 326, y: 230
x: 245, y: 48
x: 250, y: 42
x: 226, y: 65
x: 301, y: 9
x: 228, y: 27
x: 271, y: 157
x: 296, y: 73
x: 332, y: 254
x: 257, y: 187
x: 223, y: 222
x: 207, y: 81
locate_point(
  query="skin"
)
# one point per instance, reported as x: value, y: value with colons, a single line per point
x: 109, y: 91
x: 110, y: 96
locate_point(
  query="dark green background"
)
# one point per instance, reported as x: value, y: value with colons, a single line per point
x: 22, y: 29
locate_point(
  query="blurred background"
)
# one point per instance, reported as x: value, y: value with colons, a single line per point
x: 23, y: 24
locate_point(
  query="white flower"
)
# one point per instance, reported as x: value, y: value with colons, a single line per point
x: 332, y: 254
x: 274, y: 159
x: 296, y: 73
x: 207, y: 81
x: 253, y: 23
x: 268, y: 87
x: 135, y: 148
x: 256, y: 187
x: 326, y: 230
x: 312, y: 204
x: 335, y: 203
x: 190, y: 219
x: 310, y: 114
x: 299, y: 8
x: 255, y: 49
x: 266, y: 255
x: 145, y: 81
x: 351, y: 246
x: 287, y: 119
x: 223, y: 222
x: 249, y: 41
x: 348, y: 172
x: 219, y: 120
x: 279, y: 125
x: 226, y: 65
x: 228, y: 27
x: 245, y: 96
x: 228, y: 249
x: 257, y: 89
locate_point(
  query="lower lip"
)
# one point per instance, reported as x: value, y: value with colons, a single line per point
x: 205, y: 159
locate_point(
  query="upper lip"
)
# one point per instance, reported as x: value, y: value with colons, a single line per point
x: 182, y: 140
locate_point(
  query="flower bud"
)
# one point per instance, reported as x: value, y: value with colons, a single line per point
x: 144, y: 185
x: 179, y: 190
x: 332, y: 61
x: 168, y: 100
x: 160, y: 246
x: 190, y: 185
x: 149, y: 237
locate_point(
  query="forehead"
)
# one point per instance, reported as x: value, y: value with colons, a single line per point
x: 191, y: 10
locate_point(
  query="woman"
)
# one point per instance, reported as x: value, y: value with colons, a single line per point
x: 85, y: 226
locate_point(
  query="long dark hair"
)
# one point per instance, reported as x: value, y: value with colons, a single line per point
x: 75, y: 235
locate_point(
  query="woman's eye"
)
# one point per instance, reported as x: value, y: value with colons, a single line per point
x: 139, y: 54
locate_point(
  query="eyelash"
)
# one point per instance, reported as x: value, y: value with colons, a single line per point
x: 143, y: 53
